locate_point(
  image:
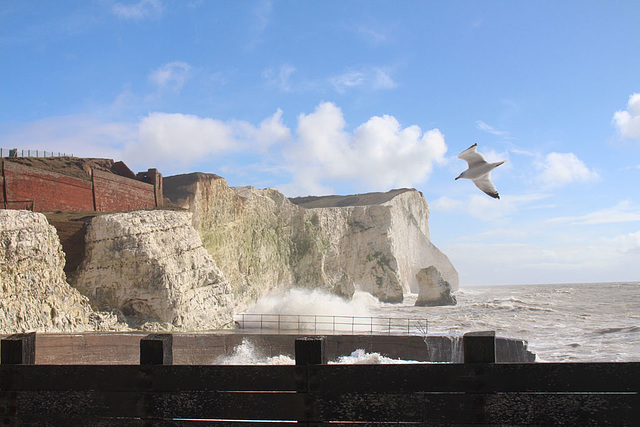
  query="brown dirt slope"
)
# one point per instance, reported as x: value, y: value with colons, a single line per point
x: 72, y: 166
x: 366, y: 199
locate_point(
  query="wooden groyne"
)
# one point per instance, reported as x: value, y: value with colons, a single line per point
x: 476, y: 392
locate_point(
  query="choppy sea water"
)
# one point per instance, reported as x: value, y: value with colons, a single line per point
x: 562, y: 323
x: 591, y: 322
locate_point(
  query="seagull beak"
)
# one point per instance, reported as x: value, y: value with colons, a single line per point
x: 458, y: 177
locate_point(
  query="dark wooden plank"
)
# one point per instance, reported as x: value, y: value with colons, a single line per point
x: 310, y: 351
x: 486, y: 378
x: 156, y: 349
x: 150, y: 377
x: 599, y: 377
x: 18, y: 349
x: 498, y: 409
x: 137, y: 422
x: 479, y: 347
x: 162, y: 405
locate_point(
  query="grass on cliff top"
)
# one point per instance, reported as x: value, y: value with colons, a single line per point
x: 366, y: 199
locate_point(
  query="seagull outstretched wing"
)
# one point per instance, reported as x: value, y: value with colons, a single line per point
x: 472, y: 157
x: 484, y: 183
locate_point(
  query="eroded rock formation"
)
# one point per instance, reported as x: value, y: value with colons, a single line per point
x: 261, y: 240
x: 151, y: 267
x: 34, y: 294
x: 433, y: 289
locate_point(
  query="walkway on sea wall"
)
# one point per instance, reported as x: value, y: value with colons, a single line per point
x: 207, y: 347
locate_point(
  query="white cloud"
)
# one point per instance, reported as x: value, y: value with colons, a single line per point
x: 560, y: 169
x: 369, y: 34
x: 166, y: 138
x: 347, y: 80
x: 628, y: 243
x: 374, y: 78
x: 138, y: 11
x: 628, y: 122
x: 490, y: 129
x: 483, y: 207
x: 280, y: 78
x: 270, y: 131
x: 575, y: 260
x: 378, y: 155
x: 446, y: 204
x: 382, y: 80
x: 259, y: 21
x: 171, y: 76
x: 79, y: 135
x: 622, y: 212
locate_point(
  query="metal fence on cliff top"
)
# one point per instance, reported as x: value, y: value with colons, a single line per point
x: 14, y: 152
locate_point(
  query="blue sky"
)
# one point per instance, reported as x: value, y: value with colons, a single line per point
x: 342, y: 97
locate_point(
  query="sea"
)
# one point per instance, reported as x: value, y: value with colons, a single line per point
x: 580, y: 322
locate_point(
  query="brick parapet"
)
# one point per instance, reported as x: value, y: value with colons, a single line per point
x: 25, y: 187
x: 47, y: 190
x: 113, y: 192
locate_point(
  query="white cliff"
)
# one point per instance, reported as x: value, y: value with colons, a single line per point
x: 380, y: 241
x: 248, y: 232
x: 152, y: 268
x: 34, y: 294
x: 261, y: 240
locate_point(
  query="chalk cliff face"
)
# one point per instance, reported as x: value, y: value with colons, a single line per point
x: 151, y: 267
x: 378, y: 240
x: 154, y: 270
x: 247, y: 232
x: 261, y: 240
x: 34, y: 294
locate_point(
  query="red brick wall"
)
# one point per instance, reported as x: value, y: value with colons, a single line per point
x: 49, y: 191
x: 116, y: 193
x: 1, y: 190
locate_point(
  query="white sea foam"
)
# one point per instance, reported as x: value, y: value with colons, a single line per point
x: 361, y: 357
x: 249, y: 354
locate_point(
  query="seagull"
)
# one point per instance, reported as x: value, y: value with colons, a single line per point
x: 479, y: 170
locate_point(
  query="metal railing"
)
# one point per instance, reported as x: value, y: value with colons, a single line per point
x: 324, y: 324
x: 14, y: 152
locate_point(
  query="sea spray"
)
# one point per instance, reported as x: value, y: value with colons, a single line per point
x: 361, y: 357
x: 310, y: 310
x: 247, y: 353
x: 315, y: 302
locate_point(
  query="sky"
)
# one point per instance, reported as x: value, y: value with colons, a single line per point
x: 344, y: 97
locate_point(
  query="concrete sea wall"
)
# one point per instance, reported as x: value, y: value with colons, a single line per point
x: 207, y: 348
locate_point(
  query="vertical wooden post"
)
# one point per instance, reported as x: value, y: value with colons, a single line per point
x: 310, y: 351
x: 18, y: 349
x: 479, y: 347
x: 156, y: 349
